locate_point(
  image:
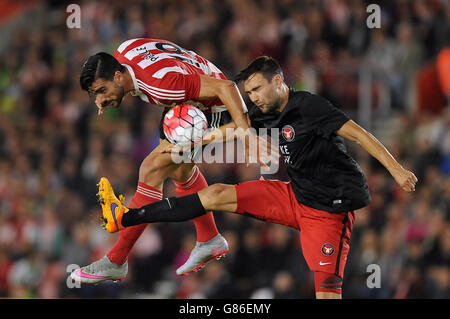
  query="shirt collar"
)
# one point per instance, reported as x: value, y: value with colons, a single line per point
x: 130, y: 70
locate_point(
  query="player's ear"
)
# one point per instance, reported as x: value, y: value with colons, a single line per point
x: 277, y: 80
x: 118, y: 76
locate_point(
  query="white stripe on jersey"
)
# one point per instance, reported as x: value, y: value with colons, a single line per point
x: 216, y: 122
x: 124, y: 45
x: 162, y: 91
x: 160, y: 74
x: 153, y: 94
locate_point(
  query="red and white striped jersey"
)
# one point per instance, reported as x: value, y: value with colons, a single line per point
x: 166, y: 74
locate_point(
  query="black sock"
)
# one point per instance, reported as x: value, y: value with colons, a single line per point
x: 173, y: 209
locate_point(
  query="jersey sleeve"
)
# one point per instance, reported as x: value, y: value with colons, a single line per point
x: 324, y: 117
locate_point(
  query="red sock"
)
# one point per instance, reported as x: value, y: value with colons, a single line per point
x: 127, y: 237
x: 205, y: 224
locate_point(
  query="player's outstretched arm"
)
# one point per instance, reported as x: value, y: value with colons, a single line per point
x: 228, y: 93
x: 353, y: 132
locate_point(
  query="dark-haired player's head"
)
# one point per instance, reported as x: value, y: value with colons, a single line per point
x: 101, y: 76
x: 263, y: 83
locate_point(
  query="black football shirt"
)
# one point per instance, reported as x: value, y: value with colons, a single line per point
x: 323, y: 175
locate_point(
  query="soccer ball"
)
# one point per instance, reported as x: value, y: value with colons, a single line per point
x: 184, y: 124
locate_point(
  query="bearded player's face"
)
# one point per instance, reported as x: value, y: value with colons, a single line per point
x: 263, y: 93
x: 107, y: 93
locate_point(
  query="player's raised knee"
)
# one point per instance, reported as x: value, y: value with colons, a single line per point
x: 216, y: 196
x: 151, y: 168
x: 218, y: 191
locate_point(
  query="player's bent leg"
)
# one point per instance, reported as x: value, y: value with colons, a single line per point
x: 153, y: 171
x: 327, y: 285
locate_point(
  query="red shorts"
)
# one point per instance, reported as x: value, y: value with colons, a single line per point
x: 324, y: 236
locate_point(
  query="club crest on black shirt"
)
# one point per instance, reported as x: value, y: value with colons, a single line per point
x: 288, y: 133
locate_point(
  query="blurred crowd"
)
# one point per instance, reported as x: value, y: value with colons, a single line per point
x: 54, y: 147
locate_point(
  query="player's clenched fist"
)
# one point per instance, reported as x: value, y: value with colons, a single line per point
x: 406, y: 179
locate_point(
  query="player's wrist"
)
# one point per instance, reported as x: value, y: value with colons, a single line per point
x: 395, y: 169
x: 242, y: 125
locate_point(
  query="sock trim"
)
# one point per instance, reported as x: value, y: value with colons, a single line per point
x: 149, y: 193
x: 191, y: 180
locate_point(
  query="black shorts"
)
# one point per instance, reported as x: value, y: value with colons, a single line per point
x: 214, y: 121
